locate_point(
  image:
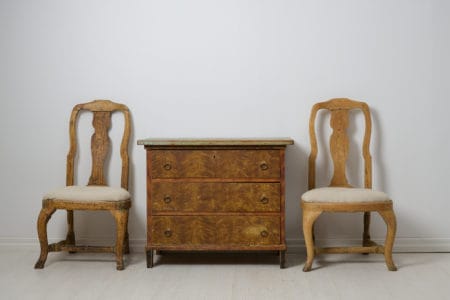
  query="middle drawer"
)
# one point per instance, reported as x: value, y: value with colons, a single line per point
x: 215, y: 197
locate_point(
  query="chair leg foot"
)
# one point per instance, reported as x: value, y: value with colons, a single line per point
x: 121, y: 217
x: 44, y: 217
x: 309, y: 217
x: 392, y: 267
x: 390, y: 220
x: 40, y: 264
x: 390, y: 262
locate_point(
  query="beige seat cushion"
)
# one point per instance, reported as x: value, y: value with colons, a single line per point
x: 88, y: 193
x: 342, y: 194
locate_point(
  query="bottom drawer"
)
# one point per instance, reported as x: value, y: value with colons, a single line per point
x: 215, y: 230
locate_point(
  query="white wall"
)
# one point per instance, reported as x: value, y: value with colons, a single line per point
x: 234, y: 68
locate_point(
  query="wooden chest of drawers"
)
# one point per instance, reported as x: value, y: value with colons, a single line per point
x: 215, y: 195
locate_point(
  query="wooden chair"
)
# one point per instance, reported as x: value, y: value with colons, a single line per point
x: 96, y: 195
x: 340, y: 196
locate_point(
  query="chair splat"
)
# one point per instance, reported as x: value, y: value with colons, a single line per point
x: 100, y: 146
x: 339, y: 145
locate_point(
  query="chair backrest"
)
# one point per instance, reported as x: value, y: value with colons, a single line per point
x: 339, y: 142
x: 100, y: 141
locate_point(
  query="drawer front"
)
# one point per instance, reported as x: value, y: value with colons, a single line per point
x: 215, y: 164
x: 215, y: 197
x: 183, y: 164
x: 215, y: 230
x: 248, y: 163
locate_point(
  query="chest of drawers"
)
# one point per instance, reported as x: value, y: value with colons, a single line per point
x: 215, y: 195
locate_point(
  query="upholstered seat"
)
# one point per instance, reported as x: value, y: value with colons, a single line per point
x: 343, y: 194
x: 88, y: 193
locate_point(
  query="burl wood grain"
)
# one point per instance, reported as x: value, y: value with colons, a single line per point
x: 339, y: 145
x: 248, y: 163
x: 215, y: 164
x: 215, y: 197
x: 216, y: 230
x: 183, y: 164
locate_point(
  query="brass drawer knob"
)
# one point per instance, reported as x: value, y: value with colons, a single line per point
x: 264, y: 200
x: 264, y: 234
x: 167, y: 166
x: 168, y: 233
x: 264, y: 166
x: 167, y: 199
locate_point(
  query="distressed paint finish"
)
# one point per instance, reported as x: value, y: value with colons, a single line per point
x: 215, y: 197
x: 215, y: 194
x: 339, y: 145
x: 100, y: 145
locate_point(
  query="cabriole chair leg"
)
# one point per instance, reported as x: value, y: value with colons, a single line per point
x: 389, y: 218
x: 44, y: 217
x: 309, y: 217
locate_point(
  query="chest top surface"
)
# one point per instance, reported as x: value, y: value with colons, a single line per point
x: 215, y: 142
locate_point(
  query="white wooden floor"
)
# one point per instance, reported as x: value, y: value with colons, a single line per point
x: 228, y: 276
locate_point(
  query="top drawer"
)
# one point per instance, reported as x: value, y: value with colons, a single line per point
x: 215, y: 163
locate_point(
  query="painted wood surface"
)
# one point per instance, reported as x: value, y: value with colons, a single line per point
x: 220, y: 196
x: 100, y: 147
x: 217, y: 142
x: 339, y: 148
x: 215, y: 197
x: 219, y: 231
x: 215, y: 163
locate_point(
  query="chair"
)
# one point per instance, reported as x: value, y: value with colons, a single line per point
x: 96, y: 195
x: 340, y: 196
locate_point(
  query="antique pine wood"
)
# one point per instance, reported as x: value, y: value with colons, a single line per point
x: 215, y: 195
x: 100, y: 144
x: 339, y: 146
